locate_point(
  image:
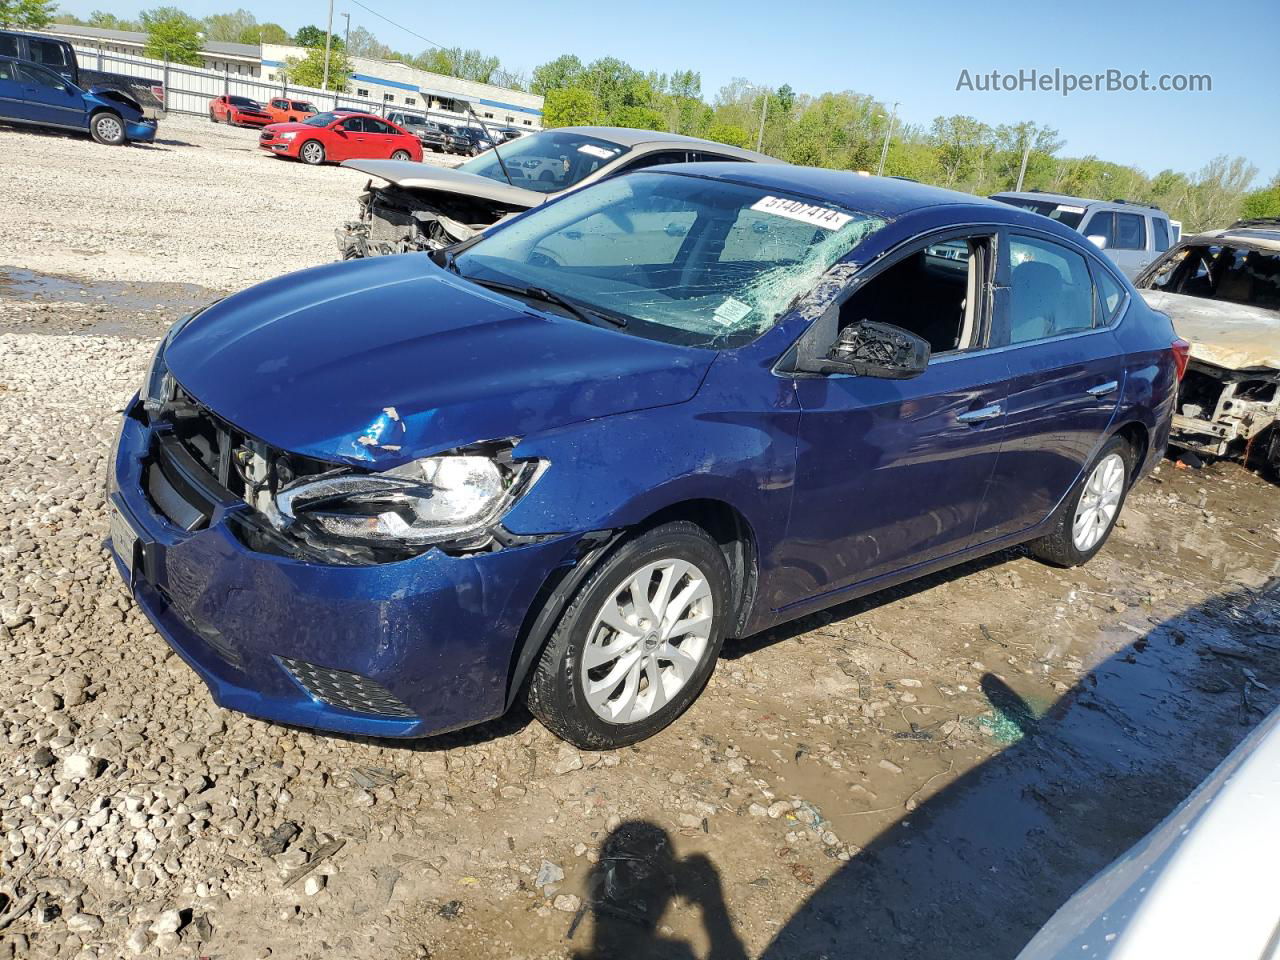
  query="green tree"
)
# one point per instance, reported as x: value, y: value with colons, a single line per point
x: 362, y: 43
x: 29, y: 14
x: 309, y: 36
x: 263, y: 33
x: 564, y: 71
x: 308, y: 71
x: 569, y: 107
x: 172, y: 35
x: 109, y: 21
x: 456, y: 62
x: 229, y: 27
x: 1264, y: 202
x: 722, y: 132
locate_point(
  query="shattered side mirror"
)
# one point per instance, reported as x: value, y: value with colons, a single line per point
x: 871, y: 349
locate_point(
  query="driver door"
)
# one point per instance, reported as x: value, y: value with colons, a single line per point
x: 891, y: 474
x: 48, y: 98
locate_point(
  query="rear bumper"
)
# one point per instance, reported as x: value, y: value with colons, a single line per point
x: 436, y: 634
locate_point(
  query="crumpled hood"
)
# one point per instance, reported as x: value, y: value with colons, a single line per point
x: 1234, y: 336
x: 390, y: 358
x: 427, y: 177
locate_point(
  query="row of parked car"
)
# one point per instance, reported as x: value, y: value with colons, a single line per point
x: 431, y: 135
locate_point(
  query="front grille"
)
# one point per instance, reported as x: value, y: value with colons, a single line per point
x: 350, y: 691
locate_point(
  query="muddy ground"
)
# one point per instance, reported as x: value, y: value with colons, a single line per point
x: 927, y: 773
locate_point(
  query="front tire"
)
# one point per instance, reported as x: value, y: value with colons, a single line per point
x: 312, y: 152
x: 107, y: 127
x: 637, y: 643
x: 1089, y: 514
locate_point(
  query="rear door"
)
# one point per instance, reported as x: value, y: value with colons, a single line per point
x: 383, y: 138
x: 1067, y: 374
x: 50, y: 98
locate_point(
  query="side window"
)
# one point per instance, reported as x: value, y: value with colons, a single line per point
x: 353, y: 125
x: 48, y: 52
x: 280, y: 104
x: 1050, y: 294
x: 653, y: 159
x: 935, y: 292
x: 41, y: 78
x: 700, y: 156
x: 377, y: 126
x: 1110, y: 295
x: 1131, y: 232
x: 8, y: 45
x: 1160, y: 231
x: 1101, y: 225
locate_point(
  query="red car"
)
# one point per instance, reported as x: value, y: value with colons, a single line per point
x: 332, y: 138
x: 238, y: 110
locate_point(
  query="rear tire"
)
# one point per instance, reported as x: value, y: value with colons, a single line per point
x: 401, y: 155
x: 1089, y: 513
x: 107, y: 127
x: 311, y: 152
x: 213, y: 118
x: 638, y: 641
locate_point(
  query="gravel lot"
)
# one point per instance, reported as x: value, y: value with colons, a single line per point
x: 927, y: 773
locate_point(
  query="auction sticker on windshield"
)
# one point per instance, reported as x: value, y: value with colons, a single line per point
x: 810, y: 213
x: 591, y: 150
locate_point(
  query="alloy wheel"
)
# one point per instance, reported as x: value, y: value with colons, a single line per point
x: 1098, y: 503
x: 647, y: 641
x: 109, y: 128
x: 312, y: 152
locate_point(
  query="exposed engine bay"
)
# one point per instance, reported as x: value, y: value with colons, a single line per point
x: 394, y: 219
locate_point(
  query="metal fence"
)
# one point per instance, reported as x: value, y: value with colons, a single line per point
x: 189, y: 89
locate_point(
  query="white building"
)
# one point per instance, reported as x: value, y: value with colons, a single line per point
x: 393, y: 84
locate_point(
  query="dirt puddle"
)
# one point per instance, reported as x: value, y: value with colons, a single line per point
x: 33, y: 302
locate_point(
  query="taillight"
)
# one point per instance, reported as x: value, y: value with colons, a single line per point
x: 1181, y: 355
x: 157, y: 91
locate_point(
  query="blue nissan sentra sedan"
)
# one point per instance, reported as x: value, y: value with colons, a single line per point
x: 563, y: 462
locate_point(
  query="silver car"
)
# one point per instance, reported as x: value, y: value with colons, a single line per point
x: 426, y: 207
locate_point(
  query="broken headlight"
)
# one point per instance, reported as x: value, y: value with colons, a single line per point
x: 454, y: 499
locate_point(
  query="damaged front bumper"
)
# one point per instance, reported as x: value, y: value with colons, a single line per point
x: 397, y: 649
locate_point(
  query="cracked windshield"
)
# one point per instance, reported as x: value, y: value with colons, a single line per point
x: 682, y: 259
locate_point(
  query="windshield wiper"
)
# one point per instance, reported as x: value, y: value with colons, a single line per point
x: 580, y: 311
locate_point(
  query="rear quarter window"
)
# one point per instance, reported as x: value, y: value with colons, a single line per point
x: 8, y: 45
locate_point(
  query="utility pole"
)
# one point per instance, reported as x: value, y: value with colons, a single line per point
x: 1026, y: 153
x: 884, y: 152
x: 764, y: 113
x: 328, y: 43
x: 346, y: 36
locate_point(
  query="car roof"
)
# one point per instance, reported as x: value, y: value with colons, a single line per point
x: 883, y: 196
x: 1265, y: 236
x: 631, y: 138
x: 1074, y: 201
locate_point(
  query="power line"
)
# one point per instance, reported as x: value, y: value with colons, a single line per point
x: 399, y: 26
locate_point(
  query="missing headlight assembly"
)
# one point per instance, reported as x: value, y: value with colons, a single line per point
x: 316, y: 510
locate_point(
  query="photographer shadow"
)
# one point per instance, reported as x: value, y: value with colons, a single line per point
x: 636, y: 880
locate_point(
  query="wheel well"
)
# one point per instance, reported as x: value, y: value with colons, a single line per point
x: 729, y: 528
x: 1139, y: 439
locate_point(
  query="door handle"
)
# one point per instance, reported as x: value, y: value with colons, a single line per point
x: 981, y: 414
x: 1102, y: 389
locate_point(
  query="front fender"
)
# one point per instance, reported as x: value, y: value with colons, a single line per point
x: 734, y: 442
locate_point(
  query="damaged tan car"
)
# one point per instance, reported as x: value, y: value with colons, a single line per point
x: 424, y: 207
x: 1222, y: 291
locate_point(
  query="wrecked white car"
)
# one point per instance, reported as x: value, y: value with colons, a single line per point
x: 425, y: 207
x: 1222, y: 291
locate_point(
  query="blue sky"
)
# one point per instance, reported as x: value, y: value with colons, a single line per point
x: 912, y: 53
